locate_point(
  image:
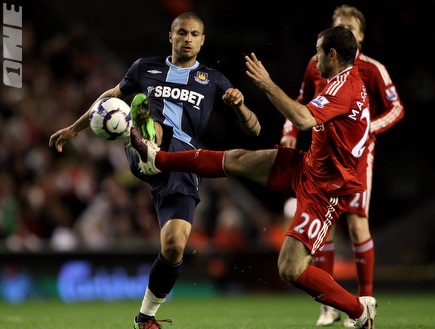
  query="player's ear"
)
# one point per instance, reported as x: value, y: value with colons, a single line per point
x: 332, y: 53
x: 361, y: 38
x: 170, y: 37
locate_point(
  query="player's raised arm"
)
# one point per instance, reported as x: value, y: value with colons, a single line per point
x: 299, y: 114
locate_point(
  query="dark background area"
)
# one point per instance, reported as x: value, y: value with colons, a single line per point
x: 400, y: 34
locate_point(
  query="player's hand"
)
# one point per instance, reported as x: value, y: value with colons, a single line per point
x: 60, y: 137
x: 257, y: 72
x: 233, y: 97
x: 288, y: 141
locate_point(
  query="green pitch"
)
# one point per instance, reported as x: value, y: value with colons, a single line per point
x: 288, y: 311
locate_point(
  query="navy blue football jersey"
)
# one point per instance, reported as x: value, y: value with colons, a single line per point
x: 181, y: 98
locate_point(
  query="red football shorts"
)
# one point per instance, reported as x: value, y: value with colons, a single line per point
x: 316, y: 210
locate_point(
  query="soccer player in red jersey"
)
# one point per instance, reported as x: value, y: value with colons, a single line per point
x: 322, y: 178
x: 386, y: 109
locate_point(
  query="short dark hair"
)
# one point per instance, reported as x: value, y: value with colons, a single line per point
x: 342, y: 40
x: 188, y: 15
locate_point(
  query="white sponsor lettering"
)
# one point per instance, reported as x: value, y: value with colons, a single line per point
x: 184, y: 95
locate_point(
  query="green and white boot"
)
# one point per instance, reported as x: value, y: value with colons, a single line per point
x: 141, y: 117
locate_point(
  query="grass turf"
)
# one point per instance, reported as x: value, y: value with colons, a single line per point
x: 286, y: 311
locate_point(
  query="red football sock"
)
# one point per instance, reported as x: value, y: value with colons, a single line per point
x: 205, y: 163
x: 322, y: 287
x: 364, y: 255
x: 324, y: 258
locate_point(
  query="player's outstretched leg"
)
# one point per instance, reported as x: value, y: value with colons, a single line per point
x: 205, y: 163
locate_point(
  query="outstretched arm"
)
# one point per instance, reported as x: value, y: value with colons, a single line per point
x: 248, y: 121
x: 297, y: 113
x: 60, y: 137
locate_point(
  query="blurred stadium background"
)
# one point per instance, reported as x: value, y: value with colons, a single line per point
x: 82, y: 214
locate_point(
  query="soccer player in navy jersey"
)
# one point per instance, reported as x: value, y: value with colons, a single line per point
x: 180, y: 93
x: 386, y: 109
x: 322, y: 178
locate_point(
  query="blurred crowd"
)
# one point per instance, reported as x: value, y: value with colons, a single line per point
x: 86, y: 197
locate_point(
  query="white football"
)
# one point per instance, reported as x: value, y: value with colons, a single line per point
x: 110, y: 118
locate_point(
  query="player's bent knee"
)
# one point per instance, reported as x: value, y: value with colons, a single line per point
x: 288, y: 274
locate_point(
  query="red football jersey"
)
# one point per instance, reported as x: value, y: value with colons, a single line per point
x: 323, y: 178
x: 342, y: 112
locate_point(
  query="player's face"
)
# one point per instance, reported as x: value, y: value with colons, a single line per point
x: 187, y: 38
x: 324, y: 62
x: 352, y: 24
